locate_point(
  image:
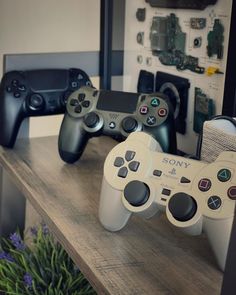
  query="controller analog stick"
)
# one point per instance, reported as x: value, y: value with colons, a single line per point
x: 136, y: 193
x: 182, y: 206
x: 91, y: 120
x: 129, y: 124
x: 36, y: 102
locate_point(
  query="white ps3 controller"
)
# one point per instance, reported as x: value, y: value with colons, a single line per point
x: 196, y: 196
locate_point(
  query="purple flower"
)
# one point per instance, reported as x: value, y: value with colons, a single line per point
x: 45, y: 229
x: 17, y: 241
x: 34, y: 231
x: 6, y: 256
x: 28, y: 280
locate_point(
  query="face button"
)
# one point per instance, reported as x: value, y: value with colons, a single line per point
x: 133, y: 166
x: 8, y: 89
x: 74, y: 84
x: 214, y: 202
x: 91, y: 120
x: 143, y: 110
x: 86, y: 103
x: 123, y: 172
x: 119, y: 162
x: 204, y: 184
x: 112, y: 125
x: 21, y: 88
x: 36, y: 101
x: 129, y: 155
x: 224, y: 175
x: 166, y: 192
x: 78, y: 109
x: 81, y: 97
x: 232, y: 192
x: 155, y: 102
x: 182, y: 206
x: 129, y: 124
x: 16, y: 94
x: 184, y: 180
x: 74, y: 102
x: 80, y: 77
x: 151, y: 120
x: 157, y: 173
x: 162, y: 112
x: 15, y: 82
x: 136, y: 193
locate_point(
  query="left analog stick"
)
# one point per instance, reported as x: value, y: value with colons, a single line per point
x: 136, y: 193
x: 91, y: 120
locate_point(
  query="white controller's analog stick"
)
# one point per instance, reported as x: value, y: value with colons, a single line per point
x: 136, y: 193
x: 182, y: 207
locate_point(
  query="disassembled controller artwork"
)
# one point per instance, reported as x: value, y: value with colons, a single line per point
x: 215, y: 40
x: 168, y: 43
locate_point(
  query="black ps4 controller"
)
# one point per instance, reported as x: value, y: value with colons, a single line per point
x: 92, y: 112
x: 35, y: 93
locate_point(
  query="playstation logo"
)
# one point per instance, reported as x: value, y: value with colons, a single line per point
x: 112, y: 125
x: 173, y: 171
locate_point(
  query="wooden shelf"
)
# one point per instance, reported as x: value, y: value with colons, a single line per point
x: 146, y: 257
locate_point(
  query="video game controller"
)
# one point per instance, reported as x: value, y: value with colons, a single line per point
x: 35, y: 93
x: 92, y: 112
x: 196, y: 196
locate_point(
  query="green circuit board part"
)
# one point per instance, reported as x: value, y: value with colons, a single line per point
x: 215, y: 40
x: 204, y: 109
x: 166, y: 34
x: 181, y: 61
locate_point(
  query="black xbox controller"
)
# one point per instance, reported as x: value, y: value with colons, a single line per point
x: 35, y: 93
x: 92, y: 112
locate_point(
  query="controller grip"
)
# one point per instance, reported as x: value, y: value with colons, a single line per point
x: 218, y: 233
x: 166, y: 136
x: 112, y: 213
x: 10, y: 121
x: 72, y: 139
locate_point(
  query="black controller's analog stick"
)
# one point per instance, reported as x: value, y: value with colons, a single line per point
x: 36, y: 102
x: 182, y: 206
x: 129, y: 124
x: 91, y: 120
x: 136, y: 193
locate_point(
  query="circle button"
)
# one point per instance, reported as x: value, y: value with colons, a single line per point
x: 232, y: 192
x: 162, y: 112
x: 224, y: 175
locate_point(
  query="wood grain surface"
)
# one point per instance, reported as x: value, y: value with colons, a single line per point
x: 146, y: 257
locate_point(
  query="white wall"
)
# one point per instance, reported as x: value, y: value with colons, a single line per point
x: 33, y: 26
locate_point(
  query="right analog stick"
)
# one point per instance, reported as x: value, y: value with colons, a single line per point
x: 182, y: 206
x: 136, y: 193
x: 129, y: 124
